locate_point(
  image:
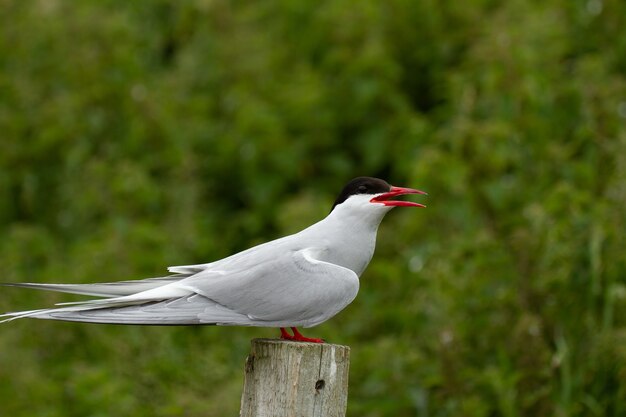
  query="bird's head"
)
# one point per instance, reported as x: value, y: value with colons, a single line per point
x: 374, y: 194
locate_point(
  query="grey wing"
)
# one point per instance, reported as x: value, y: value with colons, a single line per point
x: 191, y: 309
x: 103, y: 289
x: 256, y: 289
x: 294, y: 288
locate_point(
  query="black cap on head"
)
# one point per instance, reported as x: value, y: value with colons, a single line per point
x: 362, y: 185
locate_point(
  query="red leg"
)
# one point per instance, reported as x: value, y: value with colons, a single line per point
x: 285, y: 335
x: 297, y: 336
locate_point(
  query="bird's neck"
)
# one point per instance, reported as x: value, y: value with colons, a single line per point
x: 349, y: 236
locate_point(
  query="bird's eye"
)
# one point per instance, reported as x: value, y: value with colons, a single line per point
x: 362, y: 188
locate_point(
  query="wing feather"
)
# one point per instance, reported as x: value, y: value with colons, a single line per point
x: 194, y: 309
x: 293, y: 289
x: 104, y: 289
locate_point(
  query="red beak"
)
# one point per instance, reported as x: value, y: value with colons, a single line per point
x: 396, y: 191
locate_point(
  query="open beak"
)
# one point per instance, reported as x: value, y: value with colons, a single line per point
x: 394, y: 192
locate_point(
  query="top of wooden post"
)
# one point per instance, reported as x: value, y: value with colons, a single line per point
x: 284, y: 378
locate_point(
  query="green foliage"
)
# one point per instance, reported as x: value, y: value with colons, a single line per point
x: 137, y: 135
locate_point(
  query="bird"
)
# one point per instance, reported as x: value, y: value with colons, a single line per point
x: 300, y: 280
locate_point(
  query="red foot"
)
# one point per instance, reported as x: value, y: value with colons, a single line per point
x: 297, y: 336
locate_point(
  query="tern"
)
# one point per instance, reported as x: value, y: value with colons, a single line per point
x: 300, y: 280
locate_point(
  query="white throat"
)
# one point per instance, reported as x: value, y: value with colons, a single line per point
x: 349, y: 232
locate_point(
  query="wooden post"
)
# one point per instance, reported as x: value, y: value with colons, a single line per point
x: 295, y: 379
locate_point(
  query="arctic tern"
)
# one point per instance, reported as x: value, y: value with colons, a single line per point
x: 299, y: 280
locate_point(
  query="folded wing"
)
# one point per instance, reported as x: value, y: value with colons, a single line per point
x: 291, y: 289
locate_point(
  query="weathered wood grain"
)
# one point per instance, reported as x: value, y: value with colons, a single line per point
x: 295, y: 379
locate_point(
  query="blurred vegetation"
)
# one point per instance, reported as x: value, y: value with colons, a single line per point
x: 137, y: 135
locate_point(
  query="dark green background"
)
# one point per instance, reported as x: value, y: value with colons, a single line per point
x: 140, y: 134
